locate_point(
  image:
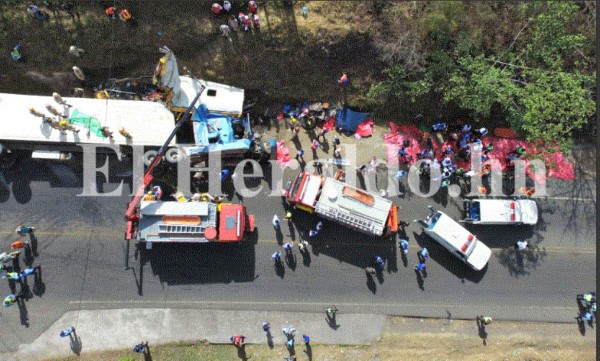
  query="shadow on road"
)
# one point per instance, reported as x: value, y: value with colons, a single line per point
x: 450, y: 262
x: 182, y: 263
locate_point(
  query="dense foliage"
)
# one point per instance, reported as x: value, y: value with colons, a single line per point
x: 532, y: 62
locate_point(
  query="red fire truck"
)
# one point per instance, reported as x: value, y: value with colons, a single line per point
x: 343, y: 203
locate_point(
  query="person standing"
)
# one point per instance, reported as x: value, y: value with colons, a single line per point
x: 404, y: 245
x: 23, y: 230
x: 252, y: 6
x: 67, y: 332
x: 370, y: 271
x: 266, y: 326
x: 423, y: 254
x: 227, y: 6
x: 522, y: 245
x: 380, y: 262
x: 140, y: 347
x: 420, y: 267
x: 276, y: 222
x: 288, y: 248
x: 486, y: 320
x: 216, y: 9
x: 277, y: 257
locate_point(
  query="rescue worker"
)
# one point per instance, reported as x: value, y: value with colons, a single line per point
x: 67, y: 332
x: 24, y: 230
x: 158, y: 193
x: 13, y: 276
x: 404, y: 245
x: 16, y: 53
x: 9, y: 300
x: 149, y: 196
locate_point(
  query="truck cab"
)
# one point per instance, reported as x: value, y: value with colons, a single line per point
x: 456, y: 239
x: 500, y: 211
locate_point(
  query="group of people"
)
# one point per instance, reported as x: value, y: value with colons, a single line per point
x: 447, y: 160
x: 9, y: 264
x: 289, y: 332
x: 244, y: 21
x: 123, y: 14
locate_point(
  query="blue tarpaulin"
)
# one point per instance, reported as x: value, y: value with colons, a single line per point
x: 347, y: 120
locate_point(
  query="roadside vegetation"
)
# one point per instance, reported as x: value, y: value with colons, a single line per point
x: 529, y: 66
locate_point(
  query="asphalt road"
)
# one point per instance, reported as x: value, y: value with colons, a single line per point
x: 80, y: 247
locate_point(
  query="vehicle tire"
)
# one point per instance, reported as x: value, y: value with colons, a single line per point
x: 174, y: 155
x: 149, y: 157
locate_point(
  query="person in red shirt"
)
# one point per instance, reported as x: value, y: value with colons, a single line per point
x: 344, y: 81
x: 252, y: 6
x: 216, y: 8
x: 110, y: 12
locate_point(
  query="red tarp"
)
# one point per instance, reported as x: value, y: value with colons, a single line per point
x: 556, y: 164
x: 365, y: 129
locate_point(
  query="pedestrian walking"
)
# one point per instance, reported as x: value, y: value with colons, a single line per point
x: 344, y: 81
x: 75, y: 51
x: 404, y: 245
x: 140, y: 347
x: 306, y: 340
x: 312, y: 233
x: 319, y: 226
x: 266, y: 326
x: 380, y: 262
x: 288, y: 216
x: 238, y: 340
x: 67, y: 332
x: 300, y: 154
x: 276, y: 222
x: 23, y: 230
x: 370, y: 271
x: 216, y: 8
x: 486, y: 320
x: 304, y: 12
x: 290, y: 344
x: 423, y: 254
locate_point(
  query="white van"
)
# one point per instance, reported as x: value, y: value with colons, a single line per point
x: 454, y: 237
x: 500, y: 211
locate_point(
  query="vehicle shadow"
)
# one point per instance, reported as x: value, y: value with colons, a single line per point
x: 341, y: 243
x: 447, y: 260
x: 181, y: 263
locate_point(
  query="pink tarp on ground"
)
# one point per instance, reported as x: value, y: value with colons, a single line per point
x: 283, y: 154
x: 556, y: 164
x: 365, y: 129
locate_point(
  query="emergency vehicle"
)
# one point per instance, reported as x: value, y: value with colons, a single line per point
x: 155, y: 220
x: 456, y: 239
x: 344, y: 204
x: 500, y: 211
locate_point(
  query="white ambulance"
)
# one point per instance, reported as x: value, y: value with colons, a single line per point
x: 500, y: 211
x: 456, y: 239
